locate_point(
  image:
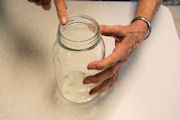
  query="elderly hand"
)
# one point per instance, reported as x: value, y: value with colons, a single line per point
x: 127, y: 39
x: 60, y: 7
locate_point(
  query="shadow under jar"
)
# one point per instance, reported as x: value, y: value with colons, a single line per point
x: 78, y: 43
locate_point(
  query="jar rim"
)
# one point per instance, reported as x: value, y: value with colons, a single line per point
x: 79, y: 16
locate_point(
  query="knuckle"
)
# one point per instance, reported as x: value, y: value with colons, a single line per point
x: 96, y: 76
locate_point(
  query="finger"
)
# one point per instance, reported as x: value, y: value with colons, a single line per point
x: 61, y: 11
x: 114, y: 80
x: 37, y: 2
x: 46, y: 7
x: 103, y: 86
x: 46, y: 4
x: 92, y: 27
x: 117, y: 39
x: 102, y: 76
x: 112, y: 30
x: 31, y: 0
x: 119, y: 54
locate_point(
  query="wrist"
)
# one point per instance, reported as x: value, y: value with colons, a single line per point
x: 139, y: 25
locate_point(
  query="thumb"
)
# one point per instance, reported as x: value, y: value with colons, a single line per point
x: 116, y: 30
x: 61, y: 11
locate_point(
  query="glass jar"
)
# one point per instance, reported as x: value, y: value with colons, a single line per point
x: 78, y: 43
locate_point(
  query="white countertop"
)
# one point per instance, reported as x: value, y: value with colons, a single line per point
x: 149, y: 84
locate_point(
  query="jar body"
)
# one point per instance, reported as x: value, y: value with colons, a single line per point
x: 71, y: 69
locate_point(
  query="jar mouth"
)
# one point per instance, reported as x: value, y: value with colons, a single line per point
x: 71, y: 22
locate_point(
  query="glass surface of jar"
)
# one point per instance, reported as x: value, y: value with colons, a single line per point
x: 78, y: 43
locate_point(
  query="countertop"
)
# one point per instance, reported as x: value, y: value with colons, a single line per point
x: 148, y: 87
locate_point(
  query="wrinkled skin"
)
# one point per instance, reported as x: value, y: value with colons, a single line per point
x: 127, y: 39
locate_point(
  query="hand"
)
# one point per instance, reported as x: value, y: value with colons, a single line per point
x: 60, y: 7
x: 127, y: 39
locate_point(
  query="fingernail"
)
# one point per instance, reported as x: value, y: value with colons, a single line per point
x: 63, y: 20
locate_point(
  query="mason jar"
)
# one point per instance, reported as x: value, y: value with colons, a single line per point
x: 78, y: 43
